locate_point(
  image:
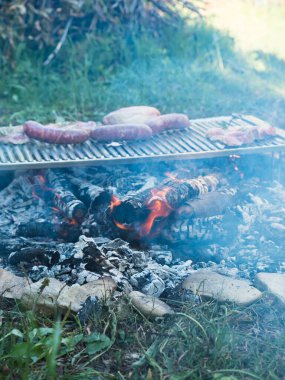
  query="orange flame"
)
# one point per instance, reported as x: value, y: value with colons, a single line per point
x: 42, y: 178
x: 115, y: 201
x: 35, y: 195
x: 174, y: 177
x: 121, y: 226
x: 159, y: 208
x: 171, y: 175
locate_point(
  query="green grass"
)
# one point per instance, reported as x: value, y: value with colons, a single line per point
x: 198, y: 71
x: 205, y: 341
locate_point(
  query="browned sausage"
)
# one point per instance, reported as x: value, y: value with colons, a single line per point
x: 131, y: 115
x: 121, y: 132
x: 169, y: 121
x: 55, y: 135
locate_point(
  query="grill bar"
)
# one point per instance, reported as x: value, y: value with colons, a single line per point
x: 190, y: 143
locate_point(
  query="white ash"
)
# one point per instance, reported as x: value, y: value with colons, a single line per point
x: 148, y: 282
x: 256, y: 244
x: 85, y: 276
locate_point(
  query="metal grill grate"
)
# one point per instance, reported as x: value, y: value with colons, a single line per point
x: 190, y: 143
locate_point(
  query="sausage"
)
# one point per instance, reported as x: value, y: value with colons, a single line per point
x: 131, y: 115
x: 53, y: 134
x: 168, y: 121
x: 121, y: 132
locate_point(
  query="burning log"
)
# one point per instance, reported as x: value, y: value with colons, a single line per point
x: 210, y: 204
x: 42, y: 228
x: 34, y: 255
x: 139, y: 211
x: 90, y: 194
x: 64, y: 199
x: 202, y: 220
x: 55, y: 190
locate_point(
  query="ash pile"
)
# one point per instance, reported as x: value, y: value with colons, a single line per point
x: 147, y: 227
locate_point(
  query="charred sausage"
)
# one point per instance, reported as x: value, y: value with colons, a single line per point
x: 55, y: 135
x: 121, y: 132
x: 168, y: 121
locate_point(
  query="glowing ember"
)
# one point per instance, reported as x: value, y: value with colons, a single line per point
x: 174, y: 177
x: 122, y: 226
x: 42, y: 178
x: 35, y: 195
x: 171, y: 175
x: 159, y: 208
x: 115, y: 201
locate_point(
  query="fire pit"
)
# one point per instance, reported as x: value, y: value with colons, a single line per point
x: 147, y: 225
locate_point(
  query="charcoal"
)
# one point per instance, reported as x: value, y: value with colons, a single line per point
x: 11, y: 244
x: 94, y: 258
x: 91, y: 251
x: 36, y: 228
x: 115, y: 244
x: 162, y: 257
x: 30, y: 255
x: 203, y: 231
x: 138, y: 258
x: 44, y: 228
x: 199, y: 254
x: 15, y: 244
x: 86, y: 276
x: 125, y: 251
x: 63, y: 198
x: 100, y: 240
x: 148, y: 283
x: 155, y: 287
x: 177, y: 294
x: 5, y: 179
x: 38, y: 272
x: 91, y: 195
x: 90, y: 308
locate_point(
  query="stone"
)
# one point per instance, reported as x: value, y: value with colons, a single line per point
x: 11, y: 286
x: 273, y: 283
x: 102, y: 288
x: 224, y: 289
x: 149, y: 306
x: 86, y: 276
x: 50, y: 294
x: 155, y: 287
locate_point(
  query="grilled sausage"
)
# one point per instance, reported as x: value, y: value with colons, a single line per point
x: 121, y: 132
x: 54, y: 134
x: 168, y: 121
x: 131, y: 115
